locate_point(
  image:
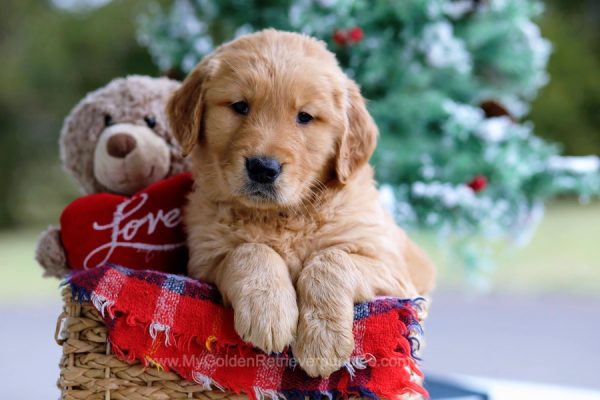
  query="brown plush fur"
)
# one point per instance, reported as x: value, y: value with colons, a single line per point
x: 127, y: 100
x: 292, y: 267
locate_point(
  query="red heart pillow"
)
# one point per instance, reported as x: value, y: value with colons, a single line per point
x: 144, y: 231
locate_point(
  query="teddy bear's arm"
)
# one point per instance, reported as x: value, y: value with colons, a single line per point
x: 50, y: 253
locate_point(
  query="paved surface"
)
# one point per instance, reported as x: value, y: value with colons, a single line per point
x: 547, y: 339
x: 543, y: 339
x: 28, y: 354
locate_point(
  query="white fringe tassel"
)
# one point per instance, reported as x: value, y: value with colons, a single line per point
x: 155, y: 327
x: 263, y: 394
x: 101, y: 303
x: 206, y: 382
x: 359, y: 362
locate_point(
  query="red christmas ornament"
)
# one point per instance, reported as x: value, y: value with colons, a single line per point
x: 478, y: 183
x: 346, y: 37
x: 340, y: 37
x: 356, y: 34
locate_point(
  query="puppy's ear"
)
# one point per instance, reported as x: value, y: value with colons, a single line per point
x: 185, y: 107
x: 359, y: 139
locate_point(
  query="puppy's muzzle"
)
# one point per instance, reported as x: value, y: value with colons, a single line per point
x: 263, y: 169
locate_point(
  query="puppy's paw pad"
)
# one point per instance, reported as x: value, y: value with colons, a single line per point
x: 267, y: 322
x: 322, y: 349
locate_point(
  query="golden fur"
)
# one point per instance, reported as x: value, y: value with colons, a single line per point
x: 291, y: 266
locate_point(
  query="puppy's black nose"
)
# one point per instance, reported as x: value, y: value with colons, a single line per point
x: 263, y: 169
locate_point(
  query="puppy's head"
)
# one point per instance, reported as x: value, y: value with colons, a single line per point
x: 270, y: 118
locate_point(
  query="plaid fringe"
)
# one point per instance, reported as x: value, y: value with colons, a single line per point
x: 176, y: 323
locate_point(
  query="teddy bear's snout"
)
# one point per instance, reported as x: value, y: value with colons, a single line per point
x: 120, y: 145
x: 129, y: 157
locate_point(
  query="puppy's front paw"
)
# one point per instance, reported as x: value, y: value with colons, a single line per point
x: 323, y: 344
x: 268, y: 320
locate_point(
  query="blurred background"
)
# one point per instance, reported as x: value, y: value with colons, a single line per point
x: 537, y: 318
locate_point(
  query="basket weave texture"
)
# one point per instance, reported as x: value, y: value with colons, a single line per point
x: 89, y: 370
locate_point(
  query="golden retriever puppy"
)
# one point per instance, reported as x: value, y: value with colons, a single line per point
x: 285, y: 217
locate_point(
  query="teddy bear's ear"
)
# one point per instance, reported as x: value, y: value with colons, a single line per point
x: 186, y: 105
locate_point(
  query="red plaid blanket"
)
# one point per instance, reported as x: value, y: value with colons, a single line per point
x: 177, y: 323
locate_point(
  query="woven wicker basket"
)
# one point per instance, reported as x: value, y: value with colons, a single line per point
x: 89, y: 370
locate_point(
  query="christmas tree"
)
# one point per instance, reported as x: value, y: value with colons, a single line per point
x: 448, y: 82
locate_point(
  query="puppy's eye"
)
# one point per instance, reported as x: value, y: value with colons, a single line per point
x: 304, y: 118
x: 108, y: 121
x: 241, y: 107
x: 150, y: 121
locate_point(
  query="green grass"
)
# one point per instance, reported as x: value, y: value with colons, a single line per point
x: 20, y: 276
x: 564, y: 256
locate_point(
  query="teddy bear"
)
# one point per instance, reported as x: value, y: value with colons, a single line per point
x: 116, y: 140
